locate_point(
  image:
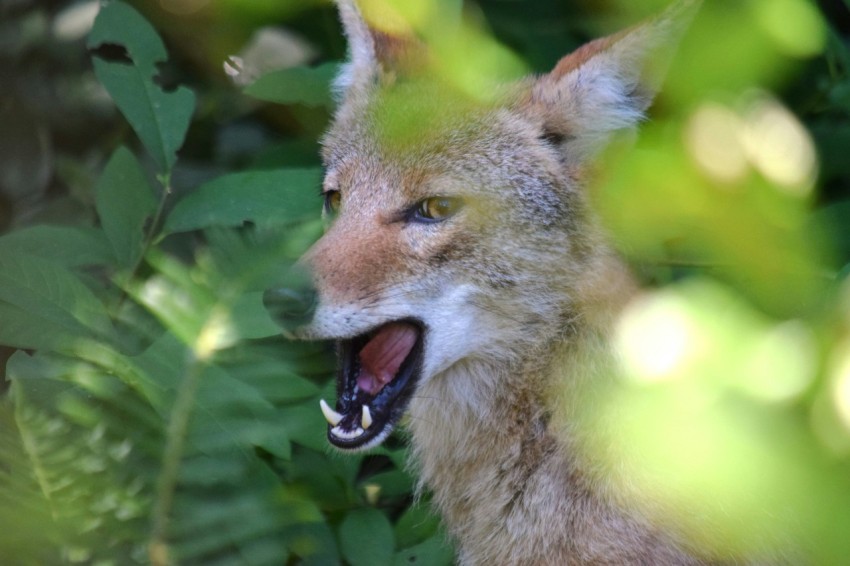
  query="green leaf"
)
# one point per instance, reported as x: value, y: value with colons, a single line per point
x: 69, y: 246
x: 250, y: 318
x: 310, y: 86
x: 273, y: 197
x: 305, y: 425
x: 273, y: 379
x: 228, y: 413
x: 435, y: 551
x: 416, y: 525
x: 159, y: 118
x: 124, y: 202
x: 366, y: 538
x: 49, y: 291
x: 393, y: 483
x: 23, y: 329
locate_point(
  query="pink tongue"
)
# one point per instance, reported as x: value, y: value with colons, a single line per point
x: 384, y: 354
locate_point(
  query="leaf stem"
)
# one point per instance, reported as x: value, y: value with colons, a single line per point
x: 150, y: 236
x: 178, y: 426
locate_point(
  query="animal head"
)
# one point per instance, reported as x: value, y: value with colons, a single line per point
x: 457, y: 226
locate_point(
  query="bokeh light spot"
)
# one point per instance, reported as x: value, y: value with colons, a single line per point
x: 712, y: 137
x: 657, y: 337
x: 779, y: 146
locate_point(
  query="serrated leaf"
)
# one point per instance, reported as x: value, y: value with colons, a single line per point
x: 267, y: 198
x: 124, y: 202
x: 229, y: 414
x: 159, y: 118
x: 310, y: 86
x: 51, y: 292
x: 69, y: 246
x: 366, y: 538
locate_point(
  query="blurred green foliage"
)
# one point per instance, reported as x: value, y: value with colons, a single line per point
x: 150, y: 190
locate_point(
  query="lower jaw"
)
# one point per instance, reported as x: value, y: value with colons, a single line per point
x: 365, y: 421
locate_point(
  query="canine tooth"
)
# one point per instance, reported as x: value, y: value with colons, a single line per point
x: 330, y: 415
x: 366, y: 417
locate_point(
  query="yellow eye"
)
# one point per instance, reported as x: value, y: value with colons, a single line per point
x: 333, y: 200
x: 438, y: 208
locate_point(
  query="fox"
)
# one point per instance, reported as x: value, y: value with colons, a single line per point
x: 472, y: 292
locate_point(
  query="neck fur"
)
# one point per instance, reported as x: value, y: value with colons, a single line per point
x: 496, y: 444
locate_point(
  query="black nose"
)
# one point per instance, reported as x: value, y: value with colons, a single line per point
x: 291, y: 307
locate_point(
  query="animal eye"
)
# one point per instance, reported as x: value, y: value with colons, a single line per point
x: 333, y: 200
x: 435, y: 209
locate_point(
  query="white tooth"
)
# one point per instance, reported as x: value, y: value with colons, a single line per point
x: 366, y: 417
x: 330, y: 415
x: 347, y: 434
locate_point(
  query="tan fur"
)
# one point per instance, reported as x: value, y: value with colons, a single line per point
x: 518, y: 292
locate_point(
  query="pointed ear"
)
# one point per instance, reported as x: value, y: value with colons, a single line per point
x: 381, y: 44
x: 607, y: 84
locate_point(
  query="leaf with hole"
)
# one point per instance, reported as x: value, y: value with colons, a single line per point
x: 275, y: 197
x: 159, y: 118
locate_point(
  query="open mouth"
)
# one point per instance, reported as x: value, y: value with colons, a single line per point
x: 378, y: 372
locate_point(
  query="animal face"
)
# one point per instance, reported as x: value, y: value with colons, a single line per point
x: 457, y: 227
x: 434, y: 250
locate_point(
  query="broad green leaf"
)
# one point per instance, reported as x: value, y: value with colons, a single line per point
x: 415, y: 526
x: 22, y: 329
x: 312, y: 542
x: 310, y: 86
x: 273, y: 197
x: 305, y: 425
x: 251, y: 319
x: 366, y: 538
x: 69, y: 246
x: 51, y: 292
x: 327, y: 480
x: 124, y: 202
x: 436, y: 551
x: 393, y: 483
x: 159, y: 118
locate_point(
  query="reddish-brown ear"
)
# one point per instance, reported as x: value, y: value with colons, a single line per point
x: 607, y: 84
x: 381, y: 44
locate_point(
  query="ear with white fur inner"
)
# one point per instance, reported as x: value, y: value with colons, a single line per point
x: 380, y: 44
x: 607, y: 84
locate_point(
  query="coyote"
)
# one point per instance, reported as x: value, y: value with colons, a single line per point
x: 468, y: 285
